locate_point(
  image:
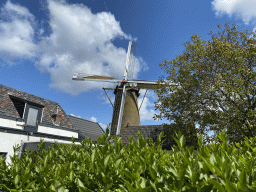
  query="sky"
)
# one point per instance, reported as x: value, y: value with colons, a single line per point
x: 43, y: 43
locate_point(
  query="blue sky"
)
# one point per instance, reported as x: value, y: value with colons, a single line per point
x: 42, y: 43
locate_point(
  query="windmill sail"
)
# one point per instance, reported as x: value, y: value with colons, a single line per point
x: 132, y: 60
x: 88, y: 77
x: 147, y: 86
x: 121, y: 111
x: 99, y: 77
x: 152, y: 85
x: 124, y: 90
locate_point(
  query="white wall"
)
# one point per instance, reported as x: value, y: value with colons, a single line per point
x: 11, y: 123
x: 42, y: 129
x: 8, y: 140
x: 60, y: 132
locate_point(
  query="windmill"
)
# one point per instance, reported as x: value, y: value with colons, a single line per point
x: 125, y: 109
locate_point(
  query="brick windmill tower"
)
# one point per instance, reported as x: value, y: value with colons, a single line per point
x: 125, y: 109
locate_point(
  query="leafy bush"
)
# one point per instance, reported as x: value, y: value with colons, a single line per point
x: 109, y: 166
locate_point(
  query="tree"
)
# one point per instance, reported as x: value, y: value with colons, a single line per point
x: 217, y: 79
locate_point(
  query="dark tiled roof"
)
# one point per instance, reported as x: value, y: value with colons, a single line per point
x: 146, y: 131
x: 7, y: 106
x: 87, y: 128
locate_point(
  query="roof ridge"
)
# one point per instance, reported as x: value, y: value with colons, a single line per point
x: 82, y: 118
x: 28, y: 93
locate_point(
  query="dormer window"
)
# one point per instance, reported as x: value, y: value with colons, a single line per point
x: 32, y: 117
x: 30, y: 112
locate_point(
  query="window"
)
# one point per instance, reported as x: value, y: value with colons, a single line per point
x: 32, y: 117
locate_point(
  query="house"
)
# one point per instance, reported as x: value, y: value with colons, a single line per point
x: 25, y: 119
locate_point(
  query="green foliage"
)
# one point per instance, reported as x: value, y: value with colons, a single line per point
x: 189, y: 131
x: 107, y: 166
x: 217, y: 84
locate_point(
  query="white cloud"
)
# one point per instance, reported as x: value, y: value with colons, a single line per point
x: 94, y: 119
x: 16, y: 32
x: 79, y: 41
x: 244, y: 9
x: 75, y: 115
x: 16, y: 8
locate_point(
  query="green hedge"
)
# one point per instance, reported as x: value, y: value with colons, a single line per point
x: 138, y: 167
